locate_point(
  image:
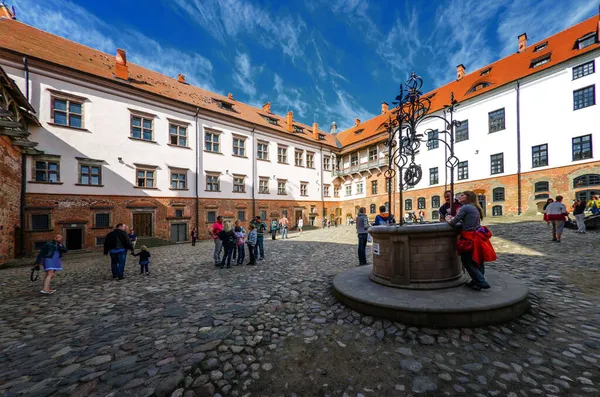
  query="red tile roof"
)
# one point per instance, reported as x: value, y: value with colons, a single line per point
x: 562, y: 47
x: 23, y: 39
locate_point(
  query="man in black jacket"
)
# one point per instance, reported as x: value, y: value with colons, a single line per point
x: 117, y: 243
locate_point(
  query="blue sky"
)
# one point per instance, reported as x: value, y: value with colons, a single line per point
x: 326, y: 60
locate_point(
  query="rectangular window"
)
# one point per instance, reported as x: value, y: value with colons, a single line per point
x: 497, y: 163
x: 298, y: 160
x: 584, y: 97
x: 433, y: 176
x: 541, y: 47
x: 100, y: 241
x: 582, y: 147
x: 496, y: 120
x: 432, y: 140
x: 211, y: 216
x: 359, y: 188
x: 462, y: 131
x: 282, y: 155
x: 178, y: 180
x: 327, y: 163
x: 539, y: 62
x: 241, y: 215
x: 211, y: 142
x: 146, y: 178
x: 263, y: 185
x: 213, y: 183
x: 354, y: 159
x: 239, y: 147
x: 373, y: 187
x: 141, y: 127
x: 239, y: 184
x: 47, y: 171
x: 586, y: 41
x: 67, y: 112
x: 373, y: 153
x: 326, y: 190
x: 583, y: 70
x: 336, y: 191
x: 90, y: 174
x: 281, y: 187
x: 539, y: 156
x: 310, y: 160
x: 263, y: 214
x: 178, y: 135
x: 178, y: 213
x: 348, y: 190
x: 303, y: 189
x: 463, y: 170
x: 40, y: 222
x: 102, y: 220
x: 262, y: 151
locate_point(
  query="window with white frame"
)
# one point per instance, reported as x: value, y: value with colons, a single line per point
x: 263, y: 186
x: 354, y: 159
x: 336, y: 191
x: 303, y: 188
x: 298, y: 158
x: 359, y: 188
x: 281, y: 187
x: 326, y: 190
x: 348, y: 190
x: 327, y: 163
x: 212, y: 142
x: 262, y: 150
x: 373, y: 153
x: 310, y: 160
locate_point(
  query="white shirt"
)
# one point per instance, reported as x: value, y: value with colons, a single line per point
x: 556, y: 208
x: 300, y: 223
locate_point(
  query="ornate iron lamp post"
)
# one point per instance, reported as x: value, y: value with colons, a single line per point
x: 403, y: 143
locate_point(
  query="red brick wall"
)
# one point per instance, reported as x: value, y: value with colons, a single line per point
x: 10, y: 193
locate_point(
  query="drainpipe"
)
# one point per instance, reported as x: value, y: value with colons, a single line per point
x: 253, y: 172
x: 322, y: 196
x: 519, y: 208
x: 24, y: 170
x: 197, y: 171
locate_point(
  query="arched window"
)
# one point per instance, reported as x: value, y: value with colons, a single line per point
x: 586, y: 195
x: 435, y: 215
x: 543, y: 186
x: 497, y: 210
x: 373, y: 209
x: 586, y: 180
x: 408, y: 204
x: 421, y: 203
x: 498, y: 194
x: 435, y: 202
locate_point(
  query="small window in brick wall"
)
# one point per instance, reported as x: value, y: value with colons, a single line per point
x: 179, y: 213
x: 497, y: 210
x: 373, y: 209
x: 241, y: 215
x: 40, y: 222
x: 102, y: 220
x: 498, y: 194
x: 211, y: 216
x: 435, y: 215
x: 99, y: 240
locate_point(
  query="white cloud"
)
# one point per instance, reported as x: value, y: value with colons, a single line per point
x: 343, y: 110
x: 288, y: 99
x: 243, y: 75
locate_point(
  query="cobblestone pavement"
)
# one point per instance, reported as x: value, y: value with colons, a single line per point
x: 190, y: 329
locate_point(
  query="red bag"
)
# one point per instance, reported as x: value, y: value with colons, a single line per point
x: 464, y: 245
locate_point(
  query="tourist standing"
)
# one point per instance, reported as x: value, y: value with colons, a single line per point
x: 214, y: 230
x: 252, y: 238
x: 450, y: 207
x: 362, y: 227
x: 132, y: 237
x: 474, y: 245
x: 259, y: 248
x: 116, y: 244
x: 274, y: 228
x: 240, y: 241
x: 329, y: 224
x: 594, y: 205
x: 300, y: 225
x: 50, y: 257
x: 194, y: 236
x: 556, y: 213
x: 422, y: 216
x: 578, y: 211
x: 144, y: 260
x: 384, y: 218
x: 227, y: 237
x: 284, y: 223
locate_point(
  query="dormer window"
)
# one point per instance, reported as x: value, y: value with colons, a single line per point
x: 298, y: 130
x: 430, y: 96
x: 224, y: 105
x: 485, y: 71
x: 321, y: 137
x: 541, y: 47
x: 271, y: 120
x: 586, y: 41
x: 357, y: 132
x: 540, y: 61
x: 478, y: 87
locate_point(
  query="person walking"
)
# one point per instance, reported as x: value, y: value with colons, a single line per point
x: 578, y: 211
x: 194, y: 236
x: 144, y: 260
x: 252, y: 238
x: 132, y: 238
x: 594, y: 205
x: 300, y: 225
x: 259, y: 248
x: 450, y: 207
x: 474, y: 246
x: 362, y: 227
x: 50, y: 258
x: 557, y: 214
x: 284, y: 223
x: 214, y: 231
x: 240, y: 242
x: 116, y: 244
x: 227, y: 237
x: 274, y: 228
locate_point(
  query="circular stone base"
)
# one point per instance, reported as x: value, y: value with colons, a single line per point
x: 452, y: 307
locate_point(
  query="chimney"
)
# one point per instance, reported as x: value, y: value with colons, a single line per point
x: 121, y: 69
x: 333, y: 129
x: 460, y: 72
x: 230, y: 96
x: 316, y: 131
x: 267, y: 107
x: 522, y: 42
x: 181, y: 78
x: 385, y: 107
x: 290, y: 120
x: 356, y: 122
x: 6, y: 12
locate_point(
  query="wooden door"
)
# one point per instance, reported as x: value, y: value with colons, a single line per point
x: 142, y: 223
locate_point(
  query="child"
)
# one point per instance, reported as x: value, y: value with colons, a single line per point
x: 252, y: 238
x: 144, y: 259
x: 240, y: 237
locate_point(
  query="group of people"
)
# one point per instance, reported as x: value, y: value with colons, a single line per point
x: 412, y: 217
x: 556, y: 214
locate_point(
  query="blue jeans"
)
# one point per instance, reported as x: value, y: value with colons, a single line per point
x: 241, y: 254
x: 362, y: 248
x: 260, y: 246
x: 284, y: 233
x: 476, y: 272
x: 117, y: 263
x: 227, y: 254
x: 144, y: 267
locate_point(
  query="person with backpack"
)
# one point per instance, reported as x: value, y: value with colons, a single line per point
x: 594, y: 205
x: 240, y: 241
x: 252, y: 238
x: 227, y: 237
x: 384, y: 218
x: 50, y: 258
